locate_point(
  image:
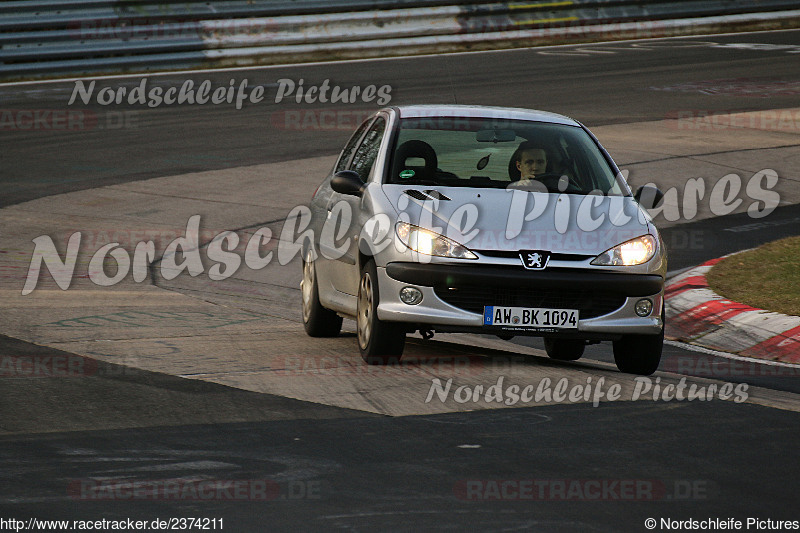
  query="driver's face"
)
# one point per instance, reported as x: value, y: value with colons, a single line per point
x: 532, y: 163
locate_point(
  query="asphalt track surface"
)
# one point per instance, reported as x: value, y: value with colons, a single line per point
x: 370, y: 472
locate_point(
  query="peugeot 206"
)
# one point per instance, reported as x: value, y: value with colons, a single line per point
x: 484, y: 220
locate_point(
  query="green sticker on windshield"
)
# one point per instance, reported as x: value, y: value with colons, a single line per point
x: 407, y: 174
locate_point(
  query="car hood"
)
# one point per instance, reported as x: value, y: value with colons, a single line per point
x: 501, y: 219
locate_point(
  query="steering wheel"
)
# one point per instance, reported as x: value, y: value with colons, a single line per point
x: 551, y: 180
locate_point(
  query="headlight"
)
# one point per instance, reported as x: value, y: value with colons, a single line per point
x: 633, y: 252
x: 430, y: 243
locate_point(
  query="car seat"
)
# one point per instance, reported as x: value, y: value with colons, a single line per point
x: 414, y: 149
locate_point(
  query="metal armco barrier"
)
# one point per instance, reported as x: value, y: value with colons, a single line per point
x: 56, y: 38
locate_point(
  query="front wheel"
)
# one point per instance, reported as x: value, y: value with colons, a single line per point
x: 380, y: 342
x: 639, y: 354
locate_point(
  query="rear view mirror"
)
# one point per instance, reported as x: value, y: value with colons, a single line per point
x: 347, y: 182
x: 648, y: 196
x: 495, y: 136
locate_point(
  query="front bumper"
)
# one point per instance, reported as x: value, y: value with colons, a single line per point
x: 454, y: 296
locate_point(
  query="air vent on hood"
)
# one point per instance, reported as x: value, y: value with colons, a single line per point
x: 430, y: 194
x: 417, y: 195
x: 436, y: 194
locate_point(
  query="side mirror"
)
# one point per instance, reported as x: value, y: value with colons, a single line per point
x: 348, y: 182
x: 648, y: 196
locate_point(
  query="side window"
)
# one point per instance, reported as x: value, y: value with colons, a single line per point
x: 350, y: 146
x: 368, y: 150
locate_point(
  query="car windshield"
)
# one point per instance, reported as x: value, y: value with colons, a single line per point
x: 491, y: 153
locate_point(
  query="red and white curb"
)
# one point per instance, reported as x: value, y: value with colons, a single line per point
x: 697, y: 315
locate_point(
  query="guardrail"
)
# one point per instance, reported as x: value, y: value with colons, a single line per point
x: 51, y: 38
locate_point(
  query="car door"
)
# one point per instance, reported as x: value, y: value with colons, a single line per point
x: 344, y: 269
x: 321, y: 205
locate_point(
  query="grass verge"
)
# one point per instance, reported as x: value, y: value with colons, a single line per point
x: 767, y: 277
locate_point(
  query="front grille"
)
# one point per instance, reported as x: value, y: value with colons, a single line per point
x: 590, y: 304
x: 511, y: 254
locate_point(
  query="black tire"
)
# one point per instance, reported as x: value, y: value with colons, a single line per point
x: 317, y: 321
x: 379, y: 342
x: 564, y: 349
x: 639, y: 354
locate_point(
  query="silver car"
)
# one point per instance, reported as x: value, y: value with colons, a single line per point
x: 484, y: 220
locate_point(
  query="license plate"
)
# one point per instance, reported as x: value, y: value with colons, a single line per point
x: 530, y: 317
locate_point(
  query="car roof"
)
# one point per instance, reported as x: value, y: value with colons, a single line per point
x: 513, y: 113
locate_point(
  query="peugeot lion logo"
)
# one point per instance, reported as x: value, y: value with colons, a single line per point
x: 534, y: 259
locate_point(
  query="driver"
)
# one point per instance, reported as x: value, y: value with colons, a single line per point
x: 530, y: 160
